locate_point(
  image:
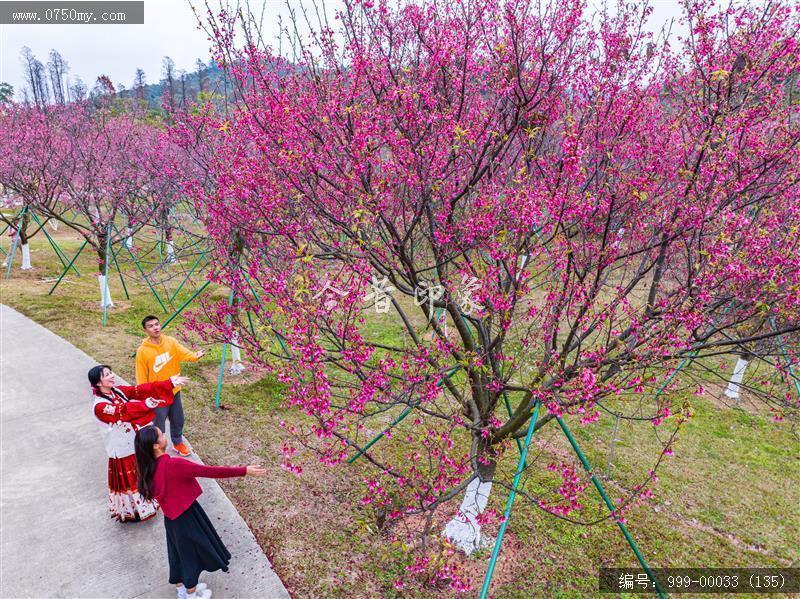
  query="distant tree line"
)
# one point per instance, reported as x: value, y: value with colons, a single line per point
x: 51, y: 84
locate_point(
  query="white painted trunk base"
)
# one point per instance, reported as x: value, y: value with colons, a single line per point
x: 105, y: 292
x: 129, y: 239
x: 170, y: 252
x: 736, y: 379
x: 236, y: 357
x: 523, y: 261
x: 26, y: 257
x: 463, y: 530
x: 53, y: 224
x: 618, y: 240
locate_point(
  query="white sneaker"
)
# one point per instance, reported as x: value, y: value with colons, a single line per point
x: 204, y: 594
x: 201, y: 586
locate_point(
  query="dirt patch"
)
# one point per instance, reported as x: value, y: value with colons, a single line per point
x: 307, y: 524
x: 94, y: 306
x: 715, y: 394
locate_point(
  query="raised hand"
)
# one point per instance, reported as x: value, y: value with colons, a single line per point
x: 256, y: 470
x: 179, y: 381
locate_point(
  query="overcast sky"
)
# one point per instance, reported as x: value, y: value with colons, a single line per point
x: 170, y: 29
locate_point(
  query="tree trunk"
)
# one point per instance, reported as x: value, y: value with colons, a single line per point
x: 463, y: 530
x: 105, y: 291
x: 168, y: 239
x: 26, y: 257
x: 23, y: 240
x: 736, y: 378
x: 236, y: 356
x: 20, y: 239
x: 523, y: 261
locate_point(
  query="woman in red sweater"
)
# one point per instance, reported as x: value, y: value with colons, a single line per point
x: 193, y: 546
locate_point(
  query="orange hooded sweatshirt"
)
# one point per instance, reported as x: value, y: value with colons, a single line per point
x: 158, y: 362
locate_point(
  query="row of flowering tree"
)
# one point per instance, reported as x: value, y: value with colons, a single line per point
x: 24, y: 156
x: 100, y: 172
x: 581, y: 205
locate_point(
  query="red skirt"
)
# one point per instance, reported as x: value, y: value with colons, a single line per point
x: 124, y: 501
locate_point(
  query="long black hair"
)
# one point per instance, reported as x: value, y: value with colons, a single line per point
x: 95, y: 373
x: 145, y: 460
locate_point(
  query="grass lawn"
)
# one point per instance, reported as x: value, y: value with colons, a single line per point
x: 730, y: 496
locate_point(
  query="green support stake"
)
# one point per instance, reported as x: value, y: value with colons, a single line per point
x: 186, y: 303
x: 252, y: 328
x: 182, y: 308
x: 141, y: 271
x: 380, y: 435
x: 3, y: 230
x: 71, y: 262
x: 786, y: 356
x: 252, y: 288
x: 396, y: 421
x: 10, y: 255
x: 510, y: 412
x: 224, y: 353
x: 408, y: 410
x: 191, y: 272
x: 105, y: 294
x: 610, y: 506
x: 56, y: 248
x: 119, y: 272
x: 10, y: 258
x: 258, y: 299
x: 521, y: 465
x: 221, y: 372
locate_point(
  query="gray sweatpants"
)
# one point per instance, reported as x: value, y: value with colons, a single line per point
x: 175, y: 414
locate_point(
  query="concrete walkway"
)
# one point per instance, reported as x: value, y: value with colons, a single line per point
x: 57, y: 539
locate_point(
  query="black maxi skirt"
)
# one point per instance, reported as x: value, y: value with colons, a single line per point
x: 193, y: 546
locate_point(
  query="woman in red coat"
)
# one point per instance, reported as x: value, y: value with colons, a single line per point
x: 121, y: 410
x: 193, y: 546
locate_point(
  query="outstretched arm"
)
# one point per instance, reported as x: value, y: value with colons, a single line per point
x: 187, y: 355
x: 161, y: 390
x: 189, y: 469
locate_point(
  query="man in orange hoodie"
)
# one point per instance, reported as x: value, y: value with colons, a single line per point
x: 158, y: 358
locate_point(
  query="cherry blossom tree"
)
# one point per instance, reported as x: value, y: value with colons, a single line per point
x: 30, y: 168
x: 85, y: 167
x: 583, y: 204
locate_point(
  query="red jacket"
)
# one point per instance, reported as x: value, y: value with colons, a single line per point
x: 126, y: 402
x: 175, y: 485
